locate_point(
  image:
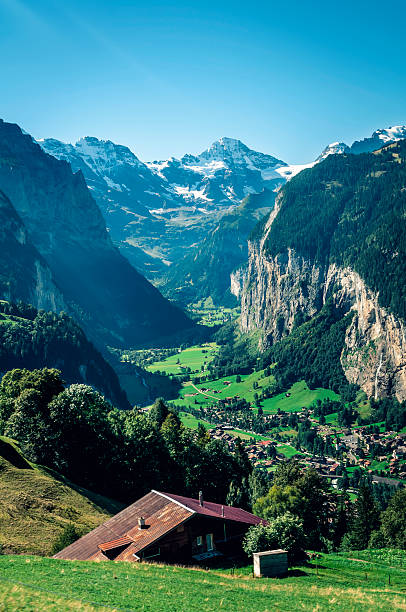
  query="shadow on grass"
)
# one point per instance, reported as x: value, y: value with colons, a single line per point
x: 293, y: 573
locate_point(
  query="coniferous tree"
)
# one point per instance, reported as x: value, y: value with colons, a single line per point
x: 366, y: 518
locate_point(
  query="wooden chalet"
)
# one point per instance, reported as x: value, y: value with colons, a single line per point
x: 165, y: 527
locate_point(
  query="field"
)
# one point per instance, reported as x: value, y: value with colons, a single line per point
x: 352, y: 582
x: 205, y: 313
x: 196, y: 358
x: 192, y: 422
x: 297, y: 396
x: 287, y: 450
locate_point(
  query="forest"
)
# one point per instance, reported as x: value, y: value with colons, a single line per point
x: 31, y: 338
x: 350, y: 210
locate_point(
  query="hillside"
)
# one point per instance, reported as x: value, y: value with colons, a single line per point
x: 338, y: 233
x: 38, y: 504
x: 354, y: 581
x: 106, y: 295
x: 205, y: 272
x: 35, y: 339
x: 349, y: 211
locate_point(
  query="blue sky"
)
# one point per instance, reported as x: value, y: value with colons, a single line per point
x: 168, y: 78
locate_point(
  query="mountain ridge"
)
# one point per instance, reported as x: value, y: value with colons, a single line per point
x: 110, y: 299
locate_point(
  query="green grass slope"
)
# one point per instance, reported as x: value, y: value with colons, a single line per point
x: 37, y: 504
x: 338, y: 582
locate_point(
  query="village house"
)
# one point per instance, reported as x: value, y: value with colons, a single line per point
x: 165, y: 527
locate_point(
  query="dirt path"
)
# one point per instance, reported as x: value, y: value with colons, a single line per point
x: 203, y: 393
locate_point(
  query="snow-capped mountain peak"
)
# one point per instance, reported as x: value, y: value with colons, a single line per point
x: 222, y: 174
x: 334, y: 148
x: 225, y: 147
x: 104, y: 154
x: 391, y: 134
x: 234, y: 152
x: 379, y: 139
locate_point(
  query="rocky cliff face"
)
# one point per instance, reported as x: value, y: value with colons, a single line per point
x: 277, y: 288
x: 24, y: 274
x: 237, y: 281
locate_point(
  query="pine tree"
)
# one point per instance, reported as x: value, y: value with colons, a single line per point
x: 366, y: 518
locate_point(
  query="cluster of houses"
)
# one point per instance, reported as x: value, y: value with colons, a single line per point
x: 389, y: 448
x: 221, y: 432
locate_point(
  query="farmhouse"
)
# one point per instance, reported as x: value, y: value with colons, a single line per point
x: 165, y: 527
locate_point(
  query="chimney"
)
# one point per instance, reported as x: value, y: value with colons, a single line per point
x: 141, y: 523
x: 201, y: 498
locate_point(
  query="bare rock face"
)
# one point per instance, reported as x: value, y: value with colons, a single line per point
x: 24, y: 273
x: 374, y: 356
x: 277, y: 288
x: 237, y: 280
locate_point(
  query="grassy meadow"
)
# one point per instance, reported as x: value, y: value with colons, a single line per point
x: 298, y: 396
x: 194, y: 357
x: 351, y: 582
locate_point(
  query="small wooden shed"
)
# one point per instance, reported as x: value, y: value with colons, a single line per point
x: 270, y: 563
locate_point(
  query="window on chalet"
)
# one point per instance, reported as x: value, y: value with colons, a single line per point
x: 209, y: 541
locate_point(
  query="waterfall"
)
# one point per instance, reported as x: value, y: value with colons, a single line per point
x: 376, y: 376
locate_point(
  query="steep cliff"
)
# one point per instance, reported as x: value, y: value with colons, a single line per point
x: 24, y: 274
x: 337, y: 234
x: 110, y: 299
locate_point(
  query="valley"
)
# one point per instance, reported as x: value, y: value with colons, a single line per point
x: 269, y: 373
x: 202, y: 307
x: 315, y: 426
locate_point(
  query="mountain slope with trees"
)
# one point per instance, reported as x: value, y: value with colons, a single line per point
x: 206, y: 271
x: 338, y: 232
x: 350, y: 211
x: 35, y: 339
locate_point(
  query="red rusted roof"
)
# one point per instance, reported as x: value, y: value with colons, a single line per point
x: 160, y: 523
x: 116, y: 527
x: 115, y: 543
x: 216, y: 510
